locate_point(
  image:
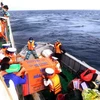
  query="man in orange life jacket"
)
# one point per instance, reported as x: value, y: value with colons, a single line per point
x: 10, y: 52
x: 2, y: 29
x: 3, y: 24
x: 3, y: 50
x: 53, y: 81
x: 58, y: 50
x: 31, y: 48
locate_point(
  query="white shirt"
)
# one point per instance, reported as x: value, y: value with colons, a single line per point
x: 47, y: 82
x: 58, y: 67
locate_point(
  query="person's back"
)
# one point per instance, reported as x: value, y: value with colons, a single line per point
x: 53, y: 81
x: 9, y: 72
x: 57, y: 47
x: 58, y: 50
x: 16, y: 79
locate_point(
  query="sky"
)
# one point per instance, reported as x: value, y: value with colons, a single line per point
x: 53, y: 4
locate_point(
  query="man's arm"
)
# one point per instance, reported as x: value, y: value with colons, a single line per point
x: 47, y: 82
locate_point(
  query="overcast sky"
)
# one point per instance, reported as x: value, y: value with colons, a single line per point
x: 52, y: 4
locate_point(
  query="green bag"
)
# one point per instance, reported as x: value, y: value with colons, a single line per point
x: 13, y: 68
x: 91, y: 94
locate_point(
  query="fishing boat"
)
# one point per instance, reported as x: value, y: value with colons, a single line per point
x: 32, y: 89
x: 71, y: 67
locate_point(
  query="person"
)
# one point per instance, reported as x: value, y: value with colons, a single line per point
x: 4, y: 9
x: 9, y: 72
x: 4, y: 48
x: 10, y: 52
x: 31, y: 49
x: 58, y: 69
x: 3, y: 24
x: 2, y: 29
x: 58, y: 50
x: 53, y: 81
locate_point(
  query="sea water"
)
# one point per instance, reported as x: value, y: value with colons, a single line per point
x: 78, y: 30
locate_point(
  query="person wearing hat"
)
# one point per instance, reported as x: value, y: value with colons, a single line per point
x: 53, y: 81
x: 31, y: 49
x: 10, y: 52
x: 58, y: 69
x: 58, y: 50
x: 4, y: 48
x: 9, y: 72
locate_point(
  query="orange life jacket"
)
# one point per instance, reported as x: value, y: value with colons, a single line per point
x: 2, y: 28
x: 31, y: 45
x: 57, y: 47
x: 87, y: 75
x: 12, y: 57
x: 56, y: 88
x: 3, y: 50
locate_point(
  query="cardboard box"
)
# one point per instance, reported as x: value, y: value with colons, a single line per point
x: 35, y: 69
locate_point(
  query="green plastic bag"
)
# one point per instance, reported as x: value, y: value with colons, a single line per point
x: 13, y: 68
x: 91, y: 94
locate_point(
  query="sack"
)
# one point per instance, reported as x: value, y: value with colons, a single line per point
x: 47, y: 53
x: 91, y: 94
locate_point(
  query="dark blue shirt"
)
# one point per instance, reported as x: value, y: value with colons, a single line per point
x: 16, y: 79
